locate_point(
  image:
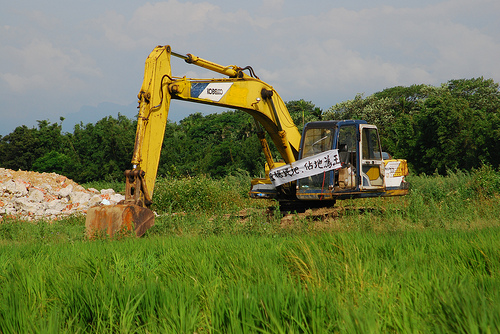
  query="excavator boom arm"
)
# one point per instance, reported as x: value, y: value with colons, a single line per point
x: 238, y: 91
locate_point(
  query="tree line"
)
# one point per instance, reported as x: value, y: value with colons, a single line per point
x: 454, y: 126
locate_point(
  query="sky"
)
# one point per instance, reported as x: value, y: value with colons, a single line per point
x: 84, y: 60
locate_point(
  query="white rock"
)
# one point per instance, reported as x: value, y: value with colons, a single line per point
x: 107, y: 191
x: 23, y: 204
x: 35, y: 201
x: 6, y: 172
x: 65, y: 192
x: 10, y: 210
x: 35, y: 195
x: 94, y: 200
x: 40, y: 211
x: 47, y: 187
x: 21, y: 188
x: 20, y: 201
x: 115, y: 198
x: 79, y: 197
x: 56, y: 205
x: 52, y: 212
x: 79, y: 188
x: 10, y: 186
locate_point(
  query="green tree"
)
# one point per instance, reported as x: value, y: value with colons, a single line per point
x: 22, y: 147
x: 18, y: 148
x: 102, y: 151
x: 303, y: 112
x: 455, y: 126
x: 54, y: 162
x: 481, y: 94
x: 215, y: 144
x: 445, y: 137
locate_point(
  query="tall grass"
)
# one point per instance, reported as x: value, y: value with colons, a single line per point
x: 349, y: 282
x: 202, y: 194
x: 203, y: 206
x: 427, y: 262
x: 70, y: 229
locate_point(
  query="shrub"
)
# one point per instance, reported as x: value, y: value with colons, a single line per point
x: 201, y: 194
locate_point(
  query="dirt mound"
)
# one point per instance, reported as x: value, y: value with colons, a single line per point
x: 32, y: 195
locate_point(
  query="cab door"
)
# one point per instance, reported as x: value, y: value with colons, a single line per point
x: 347, y: 144
x: 316, y: 140
x: 370, y: 157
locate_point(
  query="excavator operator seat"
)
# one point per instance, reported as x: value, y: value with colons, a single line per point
x: 344, y: 154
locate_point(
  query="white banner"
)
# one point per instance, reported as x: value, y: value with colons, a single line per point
x: 313, y: 165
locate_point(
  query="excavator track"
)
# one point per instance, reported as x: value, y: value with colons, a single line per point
x: 291, y: 206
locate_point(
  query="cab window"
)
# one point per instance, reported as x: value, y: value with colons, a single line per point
x: 317, y: 141
x: 371, y: 147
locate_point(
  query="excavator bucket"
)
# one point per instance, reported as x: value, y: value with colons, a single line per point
x: 118, y: 219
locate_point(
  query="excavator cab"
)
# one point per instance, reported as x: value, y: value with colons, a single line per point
x: 361, y: 172
x: 336, y: 160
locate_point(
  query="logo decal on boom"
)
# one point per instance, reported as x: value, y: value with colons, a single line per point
x: 211, y: 91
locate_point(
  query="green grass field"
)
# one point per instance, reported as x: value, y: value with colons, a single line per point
x: 427, y: 262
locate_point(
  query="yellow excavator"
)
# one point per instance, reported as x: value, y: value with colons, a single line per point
x: 331, y: 159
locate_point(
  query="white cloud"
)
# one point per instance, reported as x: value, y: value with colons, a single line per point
x: 42, y: 66
x: 375, y: 48
x: 324, y: 55
x: 114, y: 30
x: 161, y: 22
x: 20, y: 84
x: 272, y: 6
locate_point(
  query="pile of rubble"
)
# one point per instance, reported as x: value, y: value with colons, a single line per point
x: 33, y: 196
